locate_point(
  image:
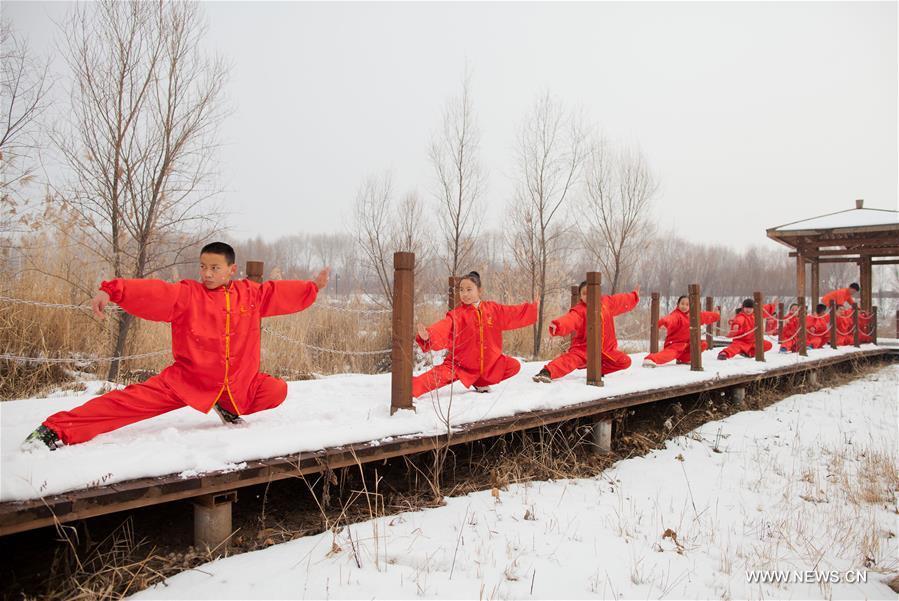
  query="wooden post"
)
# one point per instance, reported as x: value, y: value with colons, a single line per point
x: 654, y: 323
x: 800, y: 276
x: 780, y: 321
x: 255, y: 269
x: 452, y: 297
x: 594, y: 328
x: 575, y: 296
x: 695, y: 329
x: 718, y: 324
x: 867, y: 283
x: 402, y: 338
x: 855, y: 333
x: 816, y: 280
x: 833, y: 324
x: 212, y: 520
x: 708, y: 328
x: 802, y: 344
x: 759, y: 327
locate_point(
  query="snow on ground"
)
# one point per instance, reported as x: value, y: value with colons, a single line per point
x: 317, y: 414
x: 808, y: 484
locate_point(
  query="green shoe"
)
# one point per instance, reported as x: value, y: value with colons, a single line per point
x: 44, y: 435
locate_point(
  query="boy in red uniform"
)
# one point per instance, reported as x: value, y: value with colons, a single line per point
x: 789, y: 336
x: 215, y: 344
x: 742, y: 333
x: 472, y: 334
x: 841, y: 296
x: 818, y: 327
x: 677, y: 340
x: 845, y: 326
x: 575, y: 321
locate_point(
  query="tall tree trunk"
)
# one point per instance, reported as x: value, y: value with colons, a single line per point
x: 124, y: 326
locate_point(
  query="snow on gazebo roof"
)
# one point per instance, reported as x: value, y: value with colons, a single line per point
x: 843, y: 219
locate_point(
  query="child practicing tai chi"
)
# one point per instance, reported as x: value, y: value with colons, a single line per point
x: 575, y: 321
x: 742, y: 334
x: 677, y: 340
x: 215, y: 343
x: 845, y: 326
x: 789, y: 335
x: 818, y: 327
x: 472, y: 335
x: 841, y: 296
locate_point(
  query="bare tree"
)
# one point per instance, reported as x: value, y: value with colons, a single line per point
x: 24, y: 86
x: 146, y: 104
x: 619, y: 188
x: 551, y: 150
x: 460, y: 179
x: 383, y: 227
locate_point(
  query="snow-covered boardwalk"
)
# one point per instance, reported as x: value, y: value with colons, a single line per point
x: 339, y: 419
x: 802, y: 493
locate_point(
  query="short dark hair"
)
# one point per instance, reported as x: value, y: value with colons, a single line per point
x: 679, y: 298
x: 220, y: 248
x: 821, y: 308
x: 854, y: 286
x: 581, y: 286
x: 474, y: 276
x: 748, y: 303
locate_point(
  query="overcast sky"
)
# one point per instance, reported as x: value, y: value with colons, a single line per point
x: 750, y: 114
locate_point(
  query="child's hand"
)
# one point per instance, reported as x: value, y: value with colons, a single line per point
x: 321, y: 280
x: 98, y: 303
x: 552, y: 329
x: 423, y: 332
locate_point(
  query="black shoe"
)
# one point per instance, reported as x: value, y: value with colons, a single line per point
x: 44, y: 435
x: 722, y: 356
x: 227, y: 417
x: 543, y: 376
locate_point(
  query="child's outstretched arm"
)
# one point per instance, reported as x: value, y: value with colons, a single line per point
x: 437, y: 336
x: 153, y: 300
x: 624, y: 302
x: 512, y: 317
x: 566, y: 324
x: 281, y: 297
x: 707, y: 317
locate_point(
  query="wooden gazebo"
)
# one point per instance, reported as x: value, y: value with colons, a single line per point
x: 863, y: 236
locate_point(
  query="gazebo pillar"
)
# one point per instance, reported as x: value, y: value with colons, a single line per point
x: 867, y: 283
x: 800, y: 277
x: 816, y: 282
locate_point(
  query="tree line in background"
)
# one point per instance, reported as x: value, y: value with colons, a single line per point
x: 134, y: 190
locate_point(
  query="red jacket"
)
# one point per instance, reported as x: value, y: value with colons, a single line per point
x: 215, y: 333
x: 818, y: 326
x: 791, y: 326
x: 769, y: 312
x: 576, y: 320
x: 845, y: 334
x: 741, y: 326
x: 677, y: 324
x: 473, y: 337
x: 840, y: 296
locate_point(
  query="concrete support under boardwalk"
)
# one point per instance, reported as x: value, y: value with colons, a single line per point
x: 602, y: 436
x: 212, y: 519
x: 737, y: 394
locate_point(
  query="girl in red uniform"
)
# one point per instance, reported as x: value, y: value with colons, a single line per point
x: 742, y: 333
x: 472, y: 335
x: 215, y: 343
x: 575, y: 321
x: 677, y: 340
x: 789, y: 336
x: 818, y: 327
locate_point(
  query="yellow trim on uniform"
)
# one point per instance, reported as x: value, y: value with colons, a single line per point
x: 225, y: 386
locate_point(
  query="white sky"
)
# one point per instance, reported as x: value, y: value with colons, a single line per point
x: 751, y: 114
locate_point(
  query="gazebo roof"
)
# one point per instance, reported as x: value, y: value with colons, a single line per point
x: 859, y: 232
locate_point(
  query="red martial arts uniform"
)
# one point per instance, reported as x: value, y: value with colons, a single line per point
x: 215, y: 344
x: 743, y: 336
x: 865, y: 326
x: 845, y: 325
x: 789, y: 336
x: 841, y: 296
x: 473, y: 337
x: 576, y: 321
x: 818, y: 330
x: 769, y: 312
x: 677, y: 338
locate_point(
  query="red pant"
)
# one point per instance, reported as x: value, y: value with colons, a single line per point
x: 142, y: 401
x: 745, y: 347
x: 445, y: 373
x: 677, y: 350
x: 817, y: 341
x: 574, y: 359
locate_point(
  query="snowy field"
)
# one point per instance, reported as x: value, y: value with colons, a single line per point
x: 807, y: 487
x: 317, y: 414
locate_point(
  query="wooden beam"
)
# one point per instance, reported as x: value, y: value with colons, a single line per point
x: 594, y: 328
x: 885, y: 262
x: 816, y: 280
x: 800, y: 276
